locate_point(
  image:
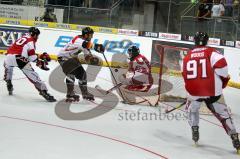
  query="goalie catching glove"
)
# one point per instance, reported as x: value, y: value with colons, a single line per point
x: 43, y: 60
x: 99, y: 48
x: 92, y: 60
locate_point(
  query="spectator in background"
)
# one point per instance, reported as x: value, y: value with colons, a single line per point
x: 49, y: 15
x: 210, y: 3
x: 228, y: 8
x: 88, y: 3
x: 217, y: 12
x: 203, y: 15
x: 204, y: 10
x: 217, y: 9
x: 236, y: 9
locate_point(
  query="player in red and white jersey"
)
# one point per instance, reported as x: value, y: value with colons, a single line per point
x: 71, y: 66
x: 138, y: 77
x: 205, y: 74
x: 20, y: 54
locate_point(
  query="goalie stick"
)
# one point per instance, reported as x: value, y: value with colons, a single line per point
x: 175, y: 108
x: 102, y: 91
x: 115, y: 81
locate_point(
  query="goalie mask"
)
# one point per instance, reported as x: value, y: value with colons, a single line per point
x: 133, y: 51
x: 201, y: 39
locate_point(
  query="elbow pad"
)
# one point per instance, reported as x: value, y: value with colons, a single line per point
x: 33, y: 58
x: 87, y: 45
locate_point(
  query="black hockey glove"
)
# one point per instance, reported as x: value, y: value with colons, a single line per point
x: 99, y: 48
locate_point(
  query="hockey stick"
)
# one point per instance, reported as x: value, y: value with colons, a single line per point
x: 112, y: 74
x: 108, y: 91
x: 175, y: 108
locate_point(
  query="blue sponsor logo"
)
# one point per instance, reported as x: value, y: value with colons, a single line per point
x: 63, y: 40
x: 111, y: 46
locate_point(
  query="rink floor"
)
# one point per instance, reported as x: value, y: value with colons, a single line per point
x: 33, y: 128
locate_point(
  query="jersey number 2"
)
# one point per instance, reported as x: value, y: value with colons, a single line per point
x: 192, y: 68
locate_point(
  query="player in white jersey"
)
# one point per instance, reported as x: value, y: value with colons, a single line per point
x: 20, y: 54
x: 71, y: 66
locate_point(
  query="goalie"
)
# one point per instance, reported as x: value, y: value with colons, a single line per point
x: 139, y: 77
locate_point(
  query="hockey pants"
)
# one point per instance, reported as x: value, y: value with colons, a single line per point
x: 12, y: 61
x: 218, y: 108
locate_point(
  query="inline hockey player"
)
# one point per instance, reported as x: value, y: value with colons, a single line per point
x: 205, y: 74
x: 20, y: 54
x: 139, y: 77
x: 71, y: 66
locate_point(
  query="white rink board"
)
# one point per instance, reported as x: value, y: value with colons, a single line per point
x: 233, y: 59
x: 50, y: 41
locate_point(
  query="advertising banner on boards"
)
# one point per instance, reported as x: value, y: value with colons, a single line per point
x: 9, y: 35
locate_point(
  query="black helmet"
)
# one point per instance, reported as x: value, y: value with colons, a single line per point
x: 34, y: 31
x: 201, y: 38
x: 87, y: 30
x: 134, y: 50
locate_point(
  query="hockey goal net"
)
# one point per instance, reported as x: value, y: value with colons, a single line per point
x: 171, y: 88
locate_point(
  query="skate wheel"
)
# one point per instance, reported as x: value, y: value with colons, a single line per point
x: 53, y: 100
x: 10, y: 93
x: 238, y: 151
x: 195, y: 144
x: 68, y: 100
x: 76, y: 100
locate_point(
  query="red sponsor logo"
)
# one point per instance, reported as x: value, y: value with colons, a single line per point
x: 170, y: 36
x: 128, y: 32
x: 213, y: 41
x: 237, y: 44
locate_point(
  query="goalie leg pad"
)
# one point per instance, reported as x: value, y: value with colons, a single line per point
x: 126, y: 81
